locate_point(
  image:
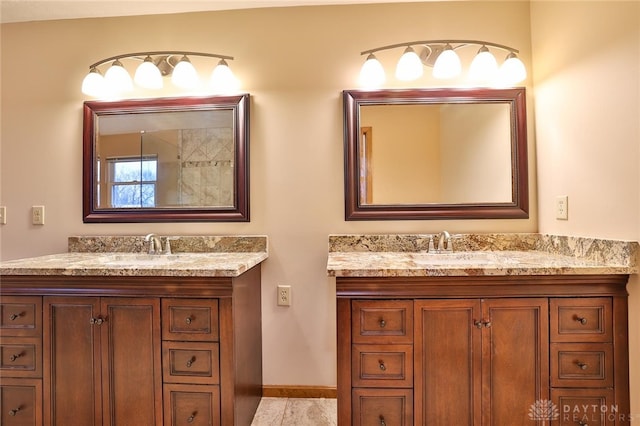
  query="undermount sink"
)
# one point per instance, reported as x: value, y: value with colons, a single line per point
x: 470, y: 258
x: 141, y: 260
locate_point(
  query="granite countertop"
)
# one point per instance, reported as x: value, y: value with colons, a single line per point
x: 478, y: 254
x: 125, y: 256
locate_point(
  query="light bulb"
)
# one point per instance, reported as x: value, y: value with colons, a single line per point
x: 447, y: 64
x: 118, y: 79
x: 148, y: 75
x: 94, y: 84
x: 184, y: 74
x: 409, y: 66
x: 371, y: 73
x: 222, y: 78
x: 484, y: 66
x: 513, y: 70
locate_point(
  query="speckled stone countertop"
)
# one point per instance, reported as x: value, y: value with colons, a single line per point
x: 478, y: 254
x: 201, y: 256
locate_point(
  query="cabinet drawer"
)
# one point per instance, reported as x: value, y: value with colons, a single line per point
x: 383, y: 407
x: 20, y: 402
x: 20, y: 316
x: 191, y: 362
x: 190, y: 319
x: 384, y: 321
x: 191, y: 405
x: 21, y: 357
x: 382, y: 366
x: 592, y: 407
x: 582, y: 365
x: 587, y: 319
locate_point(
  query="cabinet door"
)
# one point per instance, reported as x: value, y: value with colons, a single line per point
x: 131, y: 365
x: 72, y: 393
x: 515, y: 362
x: 447, y: 352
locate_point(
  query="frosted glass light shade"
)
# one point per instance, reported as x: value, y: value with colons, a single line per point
x: 447, y: 64
x: 222, y: 78
x: 484, y: 66
x: 409, y: 66
x: 513, y: 70
x: 118, y: 79
x: 94, y: 84
x: 148, y: 75
x: 371, y: 73
x: 184, y: 74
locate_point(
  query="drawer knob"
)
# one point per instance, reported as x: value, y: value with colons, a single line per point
x: 15, y: 356
x: 383, y: 323
x: 582, y: 365
x: 188, y: 320
x: 14, y: 317
x: 382, y: 366
x: 191, y: 361
x: 192, y: 417
x: 382, y: 422
x: 581, y: 320
x: 14, y: 411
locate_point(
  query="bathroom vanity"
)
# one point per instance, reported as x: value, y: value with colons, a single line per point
x: 509, y: 335
x: 130, y: 338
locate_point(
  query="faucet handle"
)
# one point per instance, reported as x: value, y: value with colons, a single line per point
x: 432, y: 248
x: 167, y: 245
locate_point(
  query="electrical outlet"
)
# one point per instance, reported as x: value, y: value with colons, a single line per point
x: 3, y: 215
x: 284, y: 295
x: 37, y: 215
x: 562, y: 207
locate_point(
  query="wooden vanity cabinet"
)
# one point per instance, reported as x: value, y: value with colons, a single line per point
x: 480, y: 350
x: 132, y: 350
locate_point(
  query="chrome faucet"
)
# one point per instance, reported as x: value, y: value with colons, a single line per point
x: 155, y: 245
x: 444, y: 242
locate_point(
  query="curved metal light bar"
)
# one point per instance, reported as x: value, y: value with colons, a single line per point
x: 440, y: 54
x: 153, y: 66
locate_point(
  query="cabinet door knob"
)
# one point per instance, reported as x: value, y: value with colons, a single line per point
x: 581, y: 423
x: 191, y: 361
x: 14, y: 411
x: 382, y: 422
x: 478, y: 323
x: 582, y: 365
x: 581, y: 320
x: 191, y: 418
x: 97, y: 321
x: 482, y: 323
x: 382, y: 366
x: 383, y: 323
x: 188, y: 320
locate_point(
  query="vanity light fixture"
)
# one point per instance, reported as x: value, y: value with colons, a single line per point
x: 153, y: 66
x: 442, y: 56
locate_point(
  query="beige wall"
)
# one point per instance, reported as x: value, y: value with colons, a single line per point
x: 587, y: 104
x: 295, y: 62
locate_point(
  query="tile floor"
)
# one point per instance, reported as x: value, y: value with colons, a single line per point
x: 296, y: 412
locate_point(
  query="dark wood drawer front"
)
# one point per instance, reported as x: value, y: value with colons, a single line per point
x: 21, y: 357
x: 191, y: 362
x: 191, y: 405
x: 592, y: 407
x: 582, y: 365
x: 389, y: 321
x: 382, y: 366
x: 581, y: 320
x: 189, y: 319
x: 19, y: 402
x: 388, y: 407
x: 21, y: 316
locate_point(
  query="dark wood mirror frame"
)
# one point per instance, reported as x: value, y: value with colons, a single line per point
x: 239, y: 212
x: 518, y: 208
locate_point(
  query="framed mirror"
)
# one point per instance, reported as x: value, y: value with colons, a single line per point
x: 166, y: 160
x: 435, y: 154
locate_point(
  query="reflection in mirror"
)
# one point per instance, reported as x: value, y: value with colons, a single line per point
x: 181, y: 159
x: 435, y: 153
